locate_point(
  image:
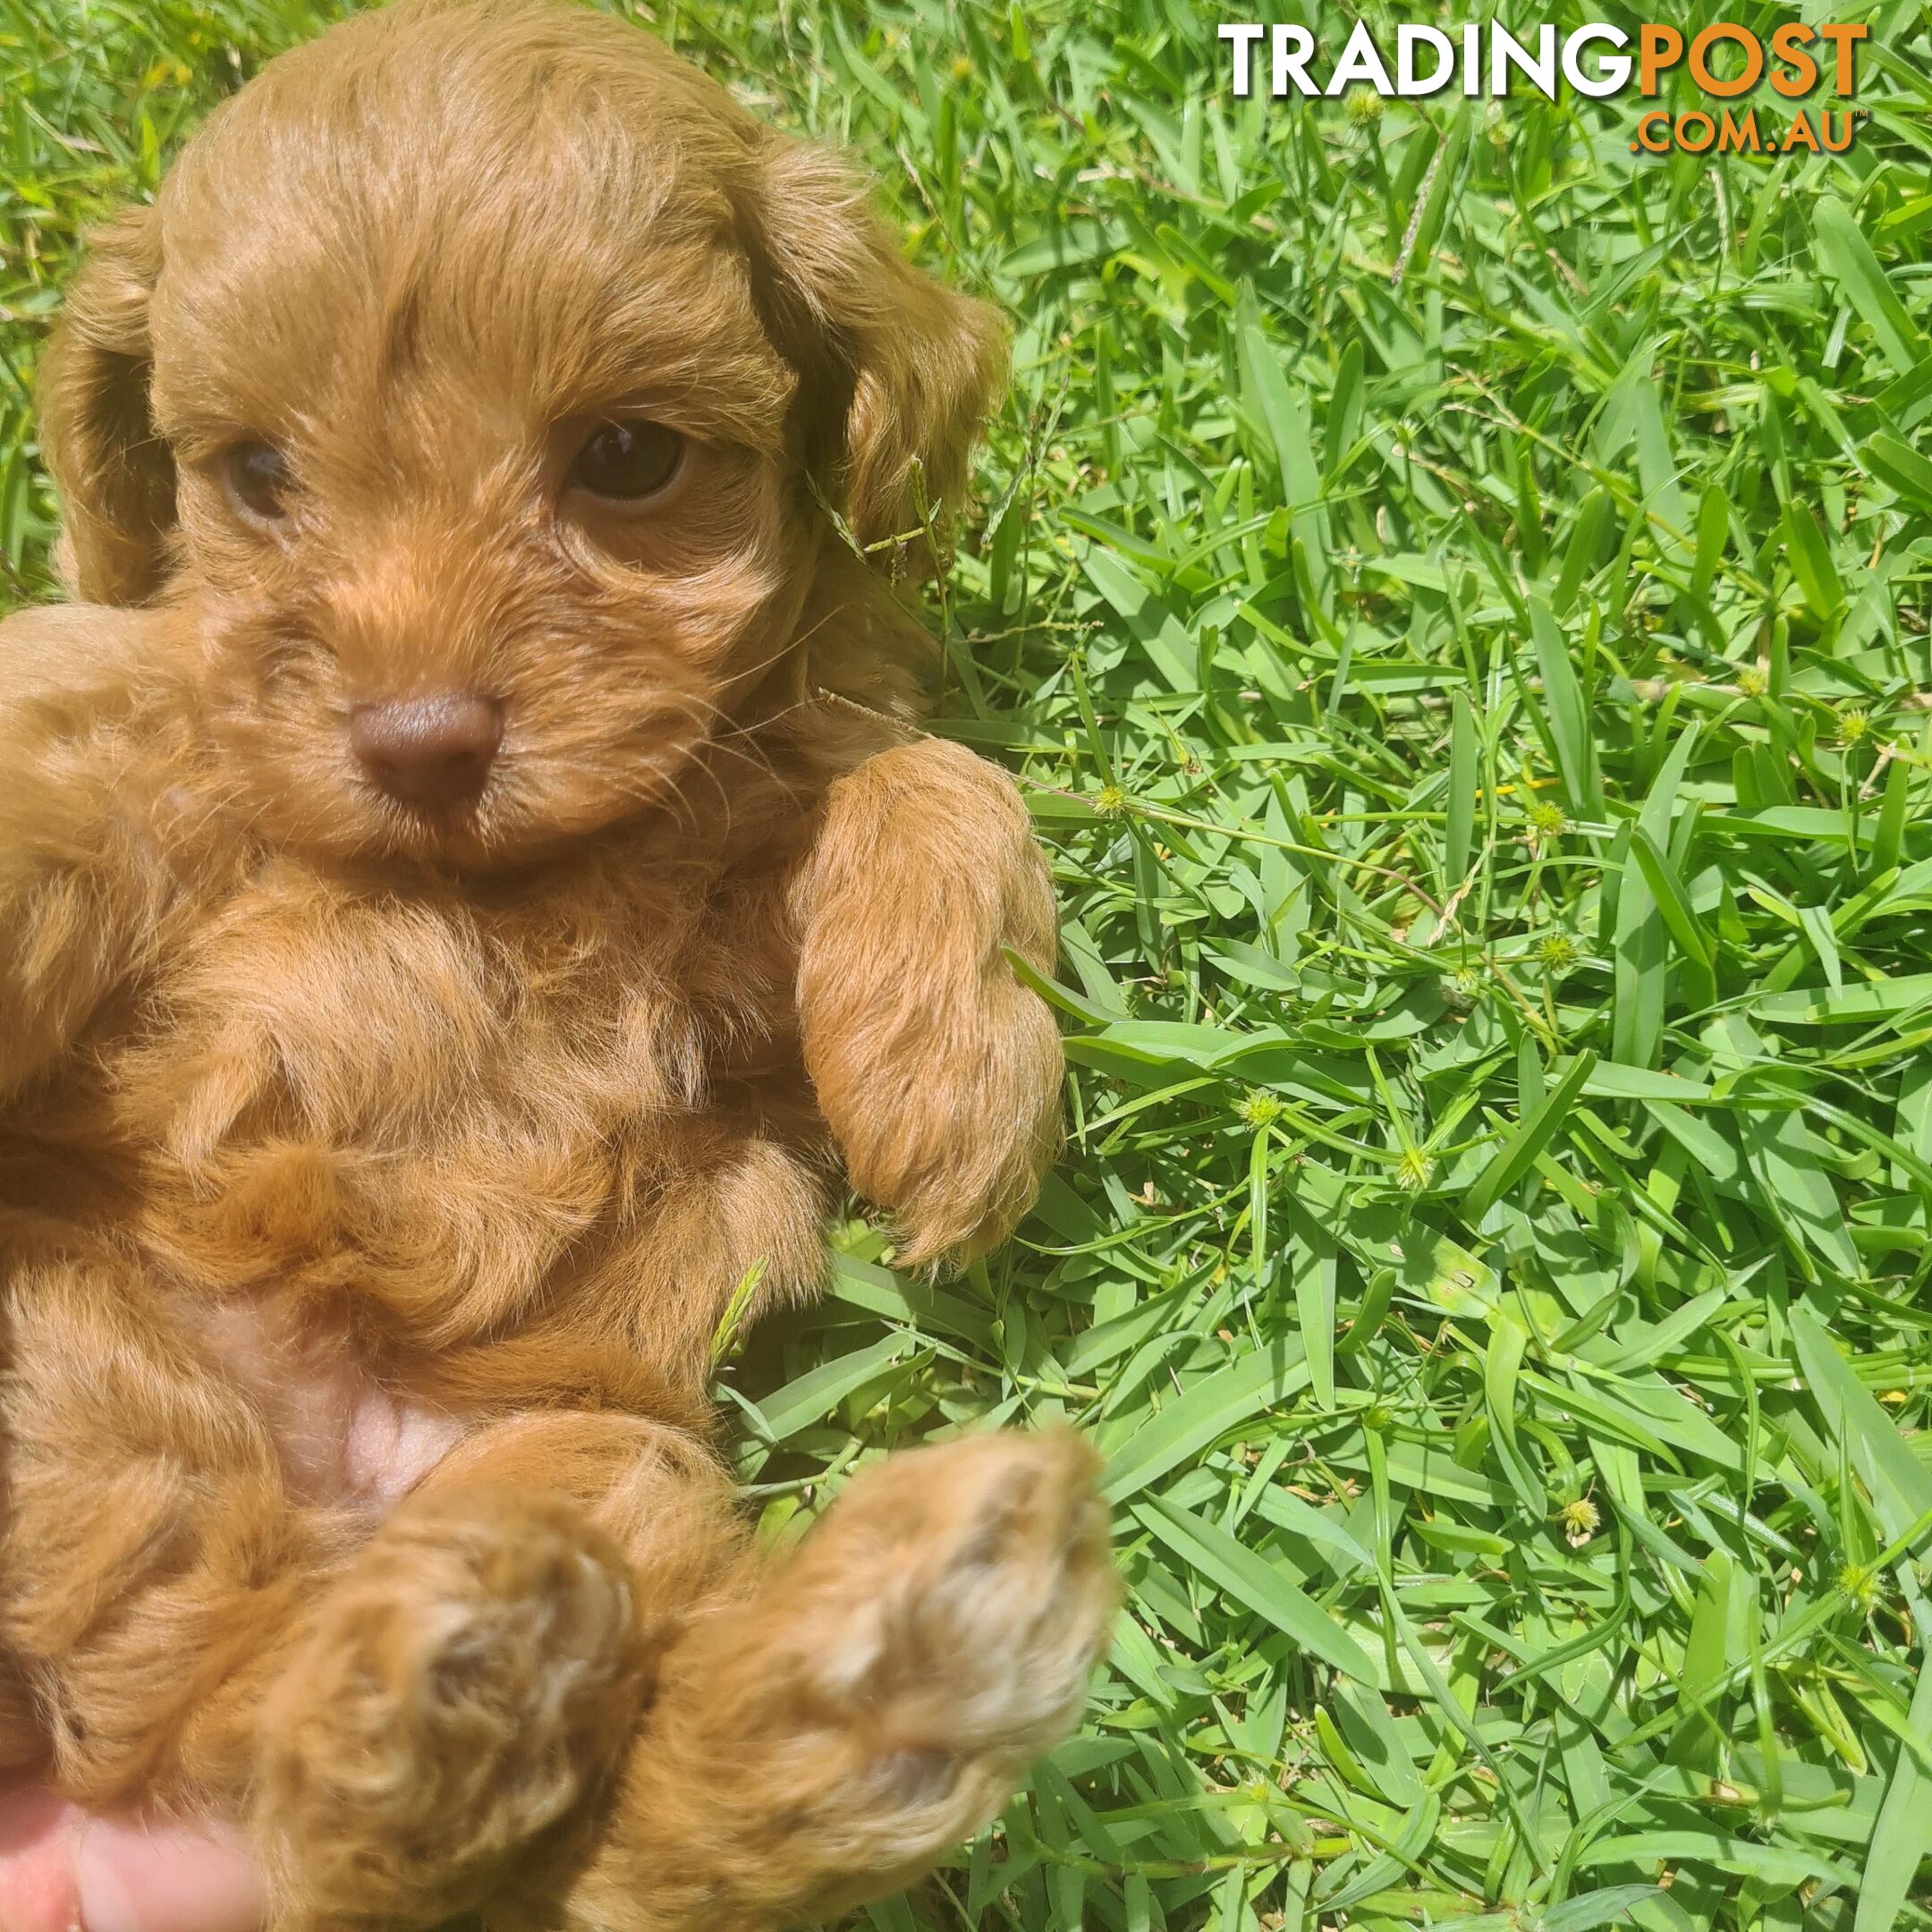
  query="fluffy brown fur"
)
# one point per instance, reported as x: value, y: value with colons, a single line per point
x: 374, y: 1176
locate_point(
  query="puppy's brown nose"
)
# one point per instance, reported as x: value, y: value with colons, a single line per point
x: 433, y: 753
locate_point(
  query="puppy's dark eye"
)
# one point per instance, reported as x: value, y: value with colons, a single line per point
x: 628, y: 461
x: 258, y: 476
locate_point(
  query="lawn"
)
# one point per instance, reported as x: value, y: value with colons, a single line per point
x: 1456, y: 594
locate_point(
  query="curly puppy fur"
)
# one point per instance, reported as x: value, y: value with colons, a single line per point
x: 376, y: 1170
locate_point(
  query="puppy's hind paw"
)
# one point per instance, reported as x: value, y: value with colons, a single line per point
x: 463, y: 1687
x: 830, y: 1731
x: 954, y: 1604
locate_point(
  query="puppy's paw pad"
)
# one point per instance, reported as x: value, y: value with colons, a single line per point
x: 462, y: 1689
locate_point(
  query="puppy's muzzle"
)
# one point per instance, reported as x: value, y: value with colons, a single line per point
x: 433, y: 754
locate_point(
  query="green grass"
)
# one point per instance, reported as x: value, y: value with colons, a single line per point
x: 1458, y: 600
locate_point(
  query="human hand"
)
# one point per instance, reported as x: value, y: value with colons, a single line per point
x: 63, y: 1870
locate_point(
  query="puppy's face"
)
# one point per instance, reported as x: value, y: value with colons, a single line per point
x: 485, y: 349
x: 488, y: 502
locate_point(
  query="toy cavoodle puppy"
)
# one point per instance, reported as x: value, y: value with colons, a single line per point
x: 469, y: 882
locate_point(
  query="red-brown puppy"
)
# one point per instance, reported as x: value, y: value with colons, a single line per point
x: 469, y: 879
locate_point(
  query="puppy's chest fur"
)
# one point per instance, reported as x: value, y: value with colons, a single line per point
x: 443, y: 1103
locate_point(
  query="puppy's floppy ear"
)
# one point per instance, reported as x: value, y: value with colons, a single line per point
x: 896, y: 372
x: 115, y: 474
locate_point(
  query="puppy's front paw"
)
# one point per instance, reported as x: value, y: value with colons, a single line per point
x: 463, y: 1687
x: 936, y: 1070
x: 955, y: 1140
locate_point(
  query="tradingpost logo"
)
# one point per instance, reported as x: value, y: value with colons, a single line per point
x: 1724, y: 62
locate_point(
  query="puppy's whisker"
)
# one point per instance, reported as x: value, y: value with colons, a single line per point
x: 759, y: 762
x: 724, y: 798
x: 658, y: 785
x: 752, y: 754
x: 739, y: 679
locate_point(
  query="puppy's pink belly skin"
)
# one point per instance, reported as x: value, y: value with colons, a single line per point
x: 392, y: 1443
x: 340, y: 1435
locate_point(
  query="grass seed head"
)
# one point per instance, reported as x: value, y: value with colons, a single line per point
x: 1860, y: 1583
x: 1557, y: 953
x: 1581, y: 1521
